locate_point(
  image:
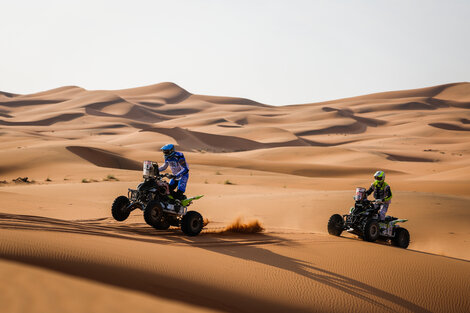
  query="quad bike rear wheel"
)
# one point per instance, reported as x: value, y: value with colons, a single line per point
x: 192, y: 223
x: 335, y: 225
x: 120, y: 208
x: 402, y: 238
x: 371, y: 231
x: 153, y: 215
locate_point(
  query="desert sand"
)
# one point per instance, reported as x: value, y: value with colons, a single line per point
x: 287, y: 167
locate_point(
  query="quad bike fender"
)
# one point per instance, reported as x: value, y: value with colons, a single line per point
x: 188, y: 201
x: 392, y: 223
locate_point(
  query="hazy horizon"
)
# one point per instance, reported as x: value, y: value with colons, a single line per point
x: 274, y: 52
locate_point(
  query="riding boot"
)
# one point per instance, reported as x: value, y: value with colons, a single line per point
x: 179, y: 195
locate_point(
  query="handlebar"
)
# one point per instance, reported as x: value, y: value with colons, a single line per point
x: 166, y: 175
x: 170, y: 176
x: 375, y: 201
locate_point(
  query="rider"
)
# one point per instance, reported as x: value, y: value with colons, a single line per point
x: 179, y: 168
x: 382, y: 193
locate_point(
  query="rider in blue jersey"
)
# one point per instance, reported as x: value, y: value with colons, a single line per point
x: 178, y: 167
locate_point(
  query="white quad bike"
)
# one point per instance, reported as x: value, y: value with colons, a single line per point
x: 161, y: 209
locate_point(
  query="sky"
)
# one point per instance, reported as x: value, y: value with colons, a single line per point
x: 274, y: 52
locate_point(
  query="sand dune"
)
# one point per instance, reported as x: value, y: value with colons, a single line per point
x: 448, y: 126
x: 45, y: 122
x: 104, y: 158
x: 287, y: 286
x: 171, y: 92
x: 286, y: 169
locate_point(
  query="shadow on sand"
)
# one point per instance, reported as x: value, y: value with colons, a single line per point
x: 242, y: 246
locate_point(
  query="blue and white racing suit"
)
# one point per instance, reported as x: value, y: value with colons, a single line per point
x: 180, y: 170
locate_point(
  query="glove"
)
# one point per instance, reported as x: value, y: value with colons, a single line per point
x: 171, y: 176
x: 379, y: 200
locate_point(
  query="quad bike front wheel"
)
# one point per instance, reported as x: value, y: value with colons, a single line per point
x: 120, y: 208
x: 401, y: 239
x: 371, y: 231
x: 153, y: 215
x: 335, y: 225
x: 192, y: 223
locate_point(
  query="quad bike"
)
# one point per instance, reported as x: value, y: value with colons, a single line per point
x: 363, y: 221
x: 161, y: 209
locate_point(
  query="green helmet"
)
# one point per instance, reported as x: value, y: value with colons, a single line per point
x: 379, y: 176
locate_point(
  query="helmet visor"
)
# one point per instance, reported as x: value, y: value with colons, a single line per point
x: 378, y: 178
x: 167, y: 152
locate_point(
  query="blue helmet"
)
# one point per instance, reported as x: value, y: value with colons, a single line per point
x: 168, y: 150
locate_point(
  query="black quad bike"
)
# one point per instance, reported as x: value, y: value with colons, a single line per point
x: 161, y: 209
x: 363, y: 221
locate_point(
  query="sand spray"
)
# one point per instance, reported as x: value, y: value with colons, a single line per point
x: 237, y: 226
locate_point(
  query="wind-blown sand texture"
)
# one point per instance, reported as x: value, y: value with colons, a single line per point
x: 286, y: 167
